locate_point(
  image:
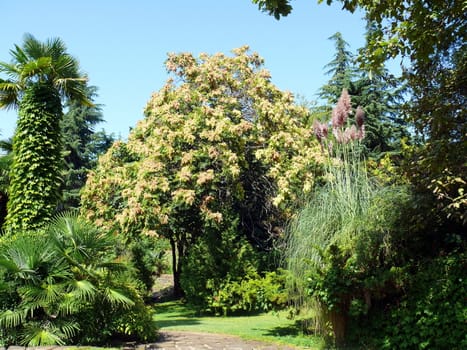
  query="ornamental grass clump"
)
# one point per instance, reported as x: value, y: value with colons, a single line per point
x: 343, y: 235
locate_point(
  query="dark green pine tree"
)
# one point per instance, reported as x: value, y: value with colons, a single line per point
x: 342, y: 70
x: 82, y: 145
x: 381, y: 98
x: 378, y: 93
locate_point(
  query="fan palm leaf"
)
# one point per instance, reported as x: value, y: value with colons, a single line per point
x: 117, y: 298
x: 13, y: 318
x: 35, y: 335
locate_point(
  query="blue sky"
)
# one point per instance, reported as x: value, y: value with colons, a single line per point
x: 122, y: 44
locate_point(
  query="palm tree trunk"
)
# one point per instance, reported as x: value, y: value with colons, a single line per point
x: 35, y: 175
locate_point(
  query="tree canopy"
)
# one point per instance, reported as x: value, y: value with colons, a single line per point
x: 431, y: 38
x: 219, y: 142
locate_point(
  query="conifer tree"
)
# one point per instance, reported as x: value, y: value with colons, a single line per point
x: 82, y: 146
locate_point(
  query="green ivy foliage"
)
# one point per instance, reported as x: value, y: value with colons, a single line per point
x: 35, y: 172
x: 431, y: 314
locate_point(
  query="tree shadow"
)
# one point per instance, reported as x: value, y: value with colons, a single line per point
x: 295, y: 329
x: 177, y: 322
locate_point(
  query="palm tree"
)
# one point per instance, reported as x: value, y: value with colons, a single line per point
x: 66, y: 285
x: 39, y: 77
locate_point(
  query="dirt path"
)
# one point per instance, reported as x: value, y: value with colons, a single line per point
x: 174, y: 340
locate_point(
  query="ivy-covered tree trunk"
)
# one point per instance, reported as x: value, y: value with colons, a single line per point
x: 37, y: 163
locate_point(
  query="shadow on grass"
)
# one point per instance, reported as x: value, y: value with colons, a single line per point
x: 174, y: 308
x: 177, y: 322
x: 293, y: 330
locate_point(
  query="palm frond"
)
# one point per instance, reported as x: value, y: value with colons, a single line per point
x: 25, y: 255
x: 55, y: 48
x: 48, y: 333
x: 78, y: 240
x: 44, y: 295
x: 36, y: 68
x: 10, y: 265
x: 12, y: 318
x: 82, y: 290
x: 10, y: 70
x: 79, y: 294
x: 35, y: 335
x: 32, y: 48
x: 19, y: 56
x: 69, y: 329
x: 6, y: 145
x: 118, y: 298
x: 9, y: 94
x: 74, y: 89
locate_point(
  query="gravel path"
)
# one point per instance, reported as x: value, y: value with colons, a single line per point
x: 173, y: 340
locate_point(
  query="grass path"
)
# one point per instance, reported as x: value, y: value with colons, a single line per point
x: 270, y: 327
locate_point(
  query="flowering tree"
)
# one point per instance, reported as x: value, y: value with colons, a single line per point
x: 219, y: 144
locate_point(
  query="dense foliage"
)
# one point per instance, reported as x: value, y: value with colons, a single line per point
x: 82, y: 145
x: 431, y: 37
x: 37, y: 160
x: 6, y: 159
x: 432, y: 314
x: 377, y: 92
x: 39, y: 76
x: 220, y: 144
x: 67, y: 286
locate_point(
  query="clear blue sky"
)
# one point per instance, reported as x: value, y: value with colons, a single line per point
x: 122, y: 44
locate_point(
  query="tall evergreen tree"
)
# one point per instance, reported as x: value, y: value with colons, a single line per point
x: 39, y: 77
x: 377, y: 92
x: 82, y: 144
x: 342, y: 71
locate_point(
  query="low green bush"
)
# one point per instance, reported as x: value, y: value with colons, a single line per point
x: 221, y: 275
x: 67, y: 285
x: 433, y: 313
x: 147, y: 255
x: 251, y: 293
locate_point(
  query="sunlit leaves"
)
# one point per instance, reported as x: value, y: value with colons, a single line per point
x: 199, y: 135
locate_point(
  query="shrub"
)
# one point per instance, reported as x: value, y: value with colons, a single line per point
x: 250, y: 293
x: 433, y: 313
x: 147, y: 255
x: 213, y: 260
x: 67, y: 285
x: 342, y: 247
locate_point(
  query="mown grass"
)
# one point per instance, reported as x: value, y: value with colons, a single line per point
x: 270, y: 327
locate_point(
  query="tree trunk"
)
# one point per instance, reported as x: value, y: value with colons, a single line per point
x: 176, y: 267
x: 35, y: 174
x: 339, y: 326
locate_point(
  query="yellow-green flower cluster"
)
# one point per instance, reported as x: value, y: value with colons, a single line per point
x: 186, y: 161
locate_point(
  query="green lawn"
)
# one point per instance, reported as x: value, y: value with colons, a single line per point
x: 270, y: 327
